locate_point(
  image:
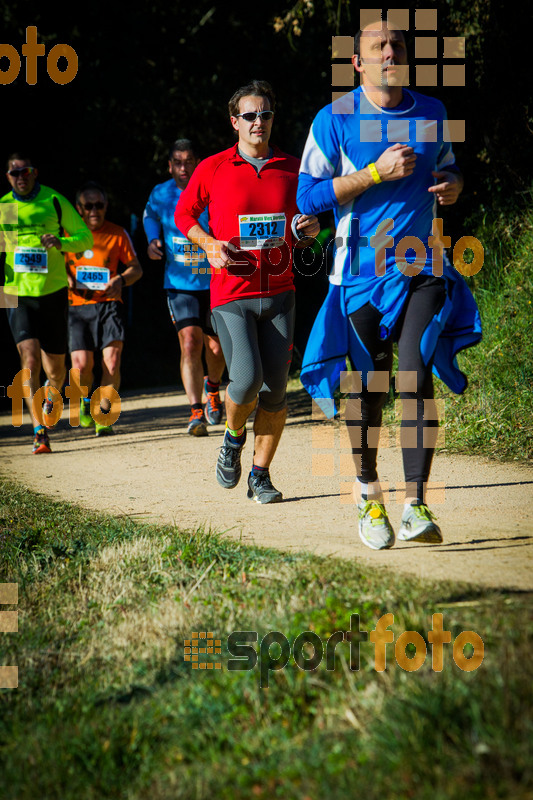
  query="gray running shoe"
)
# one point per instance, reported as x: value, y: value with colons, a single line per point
x: 229, y: 462
x: 261, y: 490
x: 48, y: 408
x: 48, y: 405
x: 213, y: 406
x: 418, y: 526
x: 197, y: 423
x: 375, y: 529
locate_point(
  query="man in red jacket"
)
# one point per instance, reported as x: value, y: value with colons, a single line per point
x: 253, y: 225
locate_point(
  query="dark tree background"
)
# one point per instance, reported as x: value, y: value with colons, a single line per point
x: 151, y: 73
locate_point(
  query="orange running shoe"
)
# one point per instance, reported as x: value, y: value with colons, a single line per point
x: 41, y: 443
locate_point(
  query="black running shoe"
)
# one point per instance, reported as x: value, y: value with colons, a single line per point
x: 261, y: 490
x: 229, y: 462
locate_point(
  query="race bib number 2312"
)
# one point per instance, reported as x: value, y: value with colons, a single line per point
x: 260, y: 231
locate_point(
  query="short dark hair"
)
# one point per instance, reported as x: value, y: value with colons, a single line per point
x: 252, y: 89
x: 357, y: 43
x: 357, y: 37
x: 18, y: 157
x: 181, y: 145
x: 91, y: 186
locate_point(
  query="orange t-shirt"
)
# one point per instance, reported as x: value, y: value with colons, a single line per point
x: 112, y: 246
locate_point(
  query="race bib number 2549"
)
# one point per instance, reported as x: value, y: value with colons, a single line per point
x: 31, y: 259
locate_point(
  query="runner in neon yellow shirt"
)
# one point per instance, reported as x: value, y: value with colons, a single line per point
x: 35, y: 272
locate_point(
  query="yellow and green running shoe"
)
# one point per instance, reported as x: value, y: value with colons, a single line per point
x: 104, y: 430
x: 86, y: 421
x: 418, y: 525
x: 375, y: 529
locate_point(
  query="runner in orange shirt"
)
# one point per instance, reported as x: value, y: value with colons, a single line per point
x: 96, y: 310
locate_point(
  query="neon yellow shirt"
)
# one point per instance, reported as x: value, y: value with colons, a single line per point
x: 30, y: 269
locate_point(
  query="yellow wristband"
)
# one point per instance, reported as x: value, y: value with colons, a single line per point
x: 374, y: 172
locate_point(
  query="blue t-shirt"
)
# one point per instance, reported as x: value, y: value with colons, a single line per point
x: 348, y: 135
x: 183, y: 259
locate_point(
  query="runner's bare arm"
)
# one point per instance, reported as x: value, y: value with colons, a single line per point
x: 309, y: 225
x: 396, y: 162
x: 217, y: 252
x: 48, y: 240
x: 155, y: 250
x: 449, y: 187
x: 131, y: 274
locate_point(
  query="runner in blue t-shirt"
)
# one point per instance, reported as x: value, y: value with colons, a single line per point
x: 187, y: 277
x: 380, y: 157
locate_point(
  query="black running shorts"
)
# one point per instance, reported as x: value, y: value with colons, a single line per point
x: 190, y: 308
x: 43, y: 318
x: 95, y: 325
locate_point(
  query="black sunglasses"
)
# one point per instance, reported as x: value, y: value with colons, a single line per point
x: 251, y: 116
x: 20, y: 173
x: 98, y: 205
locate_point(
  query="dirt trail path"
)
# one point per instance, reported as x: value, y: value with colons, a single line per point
x: 153, y: 470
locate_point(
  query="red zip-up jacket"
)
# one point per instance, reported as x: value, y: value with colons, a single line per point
x: 234, y: 192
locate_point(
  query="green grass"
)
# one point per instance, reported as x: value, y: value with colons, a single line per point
x: 108, y: 708
x: 495, y: 416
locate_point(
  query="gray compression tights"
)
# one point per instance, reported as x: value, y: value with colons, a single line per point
x: 256, y: 336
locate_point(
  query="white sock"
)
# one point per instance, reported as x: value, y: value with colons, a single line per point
x: 370, y: 491
x: 410, y: 503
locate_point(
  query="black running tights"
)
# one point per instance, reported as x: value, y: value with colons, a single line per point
x: 414, y: 381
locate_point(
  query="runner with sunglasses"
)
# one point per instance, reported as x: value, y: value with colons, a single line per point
x: 253, y: 224
x: 96, y: 310
x: 32, y: 218
x: 187, y: 286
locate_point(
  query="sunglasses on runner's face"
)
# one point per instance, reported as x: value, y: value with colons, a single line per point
x: 89, y: 206
x: 20, y: 173
x: 251, y: 116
